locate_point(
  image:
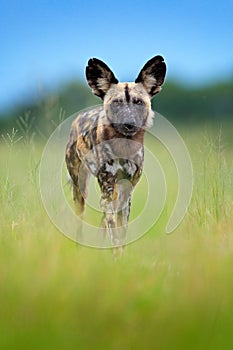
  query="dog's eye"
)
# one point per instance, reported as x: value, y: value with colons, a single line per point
x: 138, y: 101
x: 117, y: 101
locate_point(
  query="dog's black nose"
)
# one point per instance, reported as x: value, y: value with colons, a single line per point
x: 129, y: 129
x: 126, y: 129
x: 129, y: 126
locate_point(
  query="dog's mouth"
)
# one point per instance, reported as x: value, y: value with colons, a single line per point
x: 126, y: 129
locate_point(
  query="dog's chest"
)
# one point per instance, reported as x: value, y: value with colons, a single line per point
x: 120, y: 169
x: 105, y: 159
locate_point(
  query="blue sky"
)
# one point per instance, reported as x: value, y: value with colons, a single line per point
x: 46, y: 42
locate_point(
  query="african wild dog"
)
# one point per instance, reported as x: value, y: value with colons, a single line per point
x: 107, y: 141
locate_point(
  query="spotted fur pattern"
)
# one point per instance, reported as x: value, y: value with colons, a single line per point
x: 107, y: 141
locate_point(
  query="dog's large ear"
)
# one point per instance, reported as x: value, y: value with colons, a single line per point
x: 152, y: 75
x: 99, y: 77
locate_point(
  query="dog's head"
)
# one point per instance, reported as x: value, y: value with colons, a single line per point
x: 127, y: 105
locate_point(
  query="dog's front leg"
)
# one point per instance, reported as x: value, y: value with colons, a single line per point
x: 108, y: 205
x: 124, y: 190
x: 108, y: 220
x: 123, y: 219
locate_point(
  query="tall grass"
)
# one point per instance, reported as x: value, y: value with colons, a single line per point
x: 167, y: 292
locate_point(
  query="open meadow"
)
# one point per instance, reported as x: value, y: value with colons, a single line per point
x: 167, y: 291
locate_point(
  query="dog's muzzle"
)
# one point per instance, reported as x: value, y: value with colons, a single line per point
x: 126, y: 129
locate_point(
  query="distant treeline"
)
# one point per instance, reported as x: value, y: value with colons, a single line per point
x: 212, y: 103
x: 177, y: 103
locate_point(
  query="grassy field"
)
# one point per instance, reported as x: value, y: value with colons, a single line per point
x: 167, y: 292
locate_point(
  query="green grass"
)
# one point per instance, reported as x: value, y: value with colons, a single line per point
x: 167, y: 292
